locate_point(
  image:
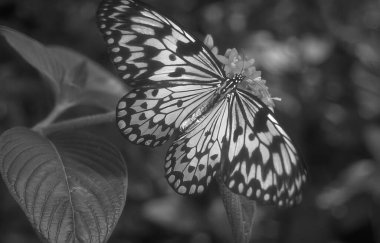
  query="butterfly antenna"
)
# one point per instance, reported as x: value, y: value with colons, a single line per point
x: 243, y: 64
x: 241, y: 71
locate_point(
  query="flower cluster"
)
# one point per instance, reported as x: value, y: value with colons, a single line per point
x: 235, y: 64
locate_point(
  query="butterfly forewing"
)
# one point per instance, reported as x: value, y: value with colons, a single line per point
x: 259, y: 160
x: 149, y: 116
x: 195, y: 156
x: 150, y: 49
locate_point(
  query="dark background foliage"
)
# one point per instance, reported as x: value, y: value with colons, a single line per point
x: 321, y: 57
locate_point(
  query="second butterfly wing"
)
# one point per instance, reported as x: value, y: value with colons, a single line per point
x: 259, y: 159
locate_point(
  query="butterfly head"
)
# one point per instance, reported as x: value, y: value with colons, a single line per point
x: 231, y: 84
x: 238, y: 77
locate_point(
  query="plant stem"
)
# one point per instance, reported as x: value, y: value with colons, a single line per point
x: 240, y: 212
x: 54, y: 114
x: 76, y: 123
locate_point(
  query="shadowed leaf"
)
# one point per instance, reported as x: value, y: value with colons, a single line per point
x: 72, y: 186
x: 36, y: 55
x: 62, y: 66
x: 102, y: 88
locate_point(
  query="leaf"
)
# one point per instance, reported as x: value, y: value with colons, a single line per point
x: 100, y: 84
x: 36, y: 55
x: 77, y: 76
x: 240, y: 213
x: 72, y: 186
x: 98, y: 78
x: 58, y: 64
x: 72, y: 87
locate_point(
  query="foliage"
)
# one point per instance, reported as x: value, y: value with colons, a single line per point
x: 71, y: 185
x: 321, y: 58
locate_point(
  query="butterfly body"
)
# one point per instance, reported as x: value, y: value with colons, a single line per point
x: 231, y: 84
x: 222, y: 92
x: 181, y: 91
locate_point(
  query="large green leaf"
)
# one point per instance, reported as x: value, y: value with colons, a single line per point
x: 36, y: 55
x: 72, y: 185
x: 63, y: 67
x: 101, y: 87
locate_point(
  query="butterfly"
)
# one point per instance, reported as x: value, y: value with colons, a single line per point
x: 181, y: 92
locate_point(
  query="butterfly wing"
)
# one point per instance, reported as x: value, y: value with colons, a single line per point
x: 259, y: 159
x: 172, y: 72
x: 148, y: 48
x: 149, y: 116
x: 194, y: 157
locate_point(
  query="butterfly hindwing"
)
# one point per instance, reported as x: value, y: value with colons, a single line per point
x: 150, y: 49
x: 194, y: 158
x: 259, y: 160
x: 149, y: 116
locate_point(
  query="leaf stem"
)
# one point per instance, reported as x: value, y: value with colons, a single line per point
x: 54, y: 114
x: 240, y: 212
x: 76, y: 123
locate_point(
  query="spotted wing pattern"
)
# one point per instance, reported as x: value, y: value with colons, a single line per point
x: 150, y: 49
x: 172, y: 72
x: 195, y: 156
x: 259, y: 160
x: 149, y: 116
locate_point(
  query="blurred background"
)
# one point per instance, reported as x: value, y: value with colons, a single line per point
x: 322, y: 58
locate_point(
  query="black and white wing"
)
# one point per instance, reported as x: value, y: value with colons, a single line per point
x: 194, y: 158
x: 259, y: 160
x: 149, y: 116
x: 148, y: 48
x: 172, y: 72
